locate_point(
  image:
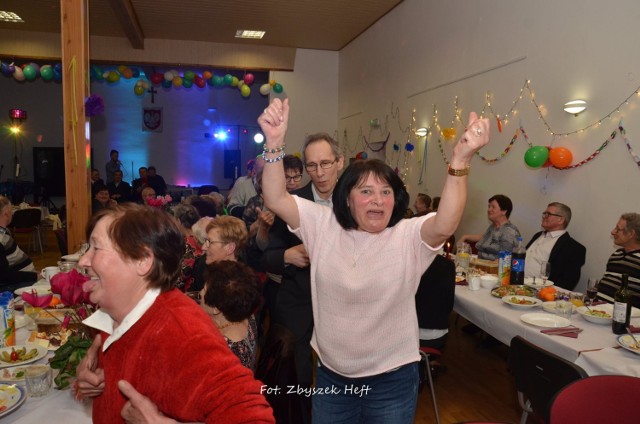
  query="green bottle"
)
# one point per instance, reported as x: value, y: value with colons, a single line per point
x: 621, y: 307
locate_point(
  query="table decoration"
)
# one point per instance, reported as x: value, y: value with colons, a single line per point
x: 67, y: 357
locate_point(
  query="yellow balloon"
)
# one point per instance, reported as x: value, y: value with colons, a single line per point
x: 234, y: 82
x: 245, y: 90
x: 177, y: 81
x: 272, y: 82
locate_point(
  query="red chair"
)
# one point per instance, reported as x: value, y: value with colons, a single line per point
x: 427, y: 353
x: 598, y: 399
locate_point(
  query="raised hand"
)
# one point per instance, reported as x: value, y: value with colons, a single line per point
x: 474, y: 138
x: 274, y: 122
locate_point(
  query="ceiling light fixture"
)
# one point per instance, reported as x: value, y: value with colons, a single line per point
x: 10, y: 17
x: 250, y: 33
x: 422, y: 132
x: 575, y: 107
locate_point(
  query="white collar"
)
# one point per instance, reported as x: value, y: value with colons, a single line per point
x: 554, y: 234
x: 102, y: 321
x: 320, y: 200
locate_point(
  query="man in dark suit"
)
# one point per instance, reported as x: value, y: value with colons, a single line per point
x: 286, y: 256
x: 119, y: 190
x: 555, y: 245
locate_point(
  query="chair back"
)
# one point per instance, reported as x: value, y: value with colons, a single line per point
x: 26, y: 218
x: 540, y: 374
x: 598, y: 399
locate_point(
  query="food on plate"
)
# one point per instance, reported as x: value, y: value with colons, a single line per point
x: 459, y: 279
x: 51, y: 339
x: 521, y: 301
x: 20, y: 355
x: 597, y: 313
x: 503, y: 291
x: 547, y: 293
x: 12, y: 374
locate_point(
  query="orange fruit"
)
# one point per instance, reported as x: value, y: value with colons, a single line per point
x: 55, y: 301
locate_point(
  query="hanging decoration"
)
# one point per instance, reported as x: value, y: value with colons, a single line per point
x: 93, y: 105
x: 536, y: 156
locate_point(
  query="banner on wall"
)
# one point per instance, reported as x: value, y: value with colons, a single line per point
x: 152, y: 119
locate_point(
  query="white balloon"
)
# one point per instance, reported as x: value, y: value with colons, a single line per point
x: 146, y: 84
x: 140, y: 82
x: 168, y: 75
x: 105, y: 74
x: 265, y: 89
x: 240, y: 84
x: 18, y: 74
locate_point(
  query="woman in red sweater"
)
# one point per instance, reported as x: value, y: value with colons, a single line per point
x: 153, y: 336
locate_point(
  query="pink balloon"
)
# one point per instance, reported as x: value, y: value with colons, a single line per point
x: 248, y: 79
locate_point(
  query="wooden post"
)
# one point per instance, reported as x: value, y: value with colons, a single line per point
x: 74, y: 16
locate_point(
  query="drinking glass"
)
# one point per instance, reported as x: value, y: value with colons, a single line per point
x: 592, y: 289
x: 38, y: 379
x: 545, y: 270
x: 32, y: 312
x: 463, y: 256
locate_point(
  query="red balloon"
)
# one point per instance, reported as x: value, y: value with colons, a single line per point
x: 157, y: 78
x: 560, y: 157
x: 248, y: 79
x: 200, y: 82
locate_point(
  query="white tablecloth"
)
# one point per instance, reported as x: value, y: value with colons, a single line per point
x: 58, y: 406
x: 503, y: 322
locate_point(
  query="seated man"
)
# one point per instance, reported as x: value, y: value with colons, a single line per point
x: 15, y: 265
x: 555, y: 245
x: 625, y: 260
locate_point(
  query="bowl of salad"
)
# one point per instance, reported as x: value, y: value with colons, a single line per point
x: 521, y: 302
x: 595, y: 314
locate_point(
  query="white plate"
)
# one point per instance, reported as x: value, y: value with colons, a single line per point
x: 540, y: 319
x: 551, y: 307
x: 608, y: 307
x: 13, y: 374
x: 12, y: 397
x: 71, y: 258
x: 539, y: 282
x: 582, y: 310
x: 40, y: 289
x: 626, y: 342
x: 42, y: 352
x: 509, y: 300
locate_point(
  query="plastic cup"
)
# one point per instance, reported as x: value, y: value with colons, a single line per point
x: 38, y: 379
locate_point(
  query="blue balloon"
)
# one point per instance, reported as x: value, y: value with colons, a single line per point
x: 5, y: 69
x: 58, y: 67
x: 136, y: 72
x: 57, y: 75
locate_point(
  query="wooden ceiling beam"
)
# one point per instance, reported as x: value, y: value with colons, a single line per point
x: 126, y: 15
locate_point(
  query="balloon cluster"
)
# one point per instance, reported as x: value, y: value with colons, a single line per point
x: 544, y: 157
x: 31, y: 71
x: 265, y: 89
x: 361, y: 155
x: 188, y: 79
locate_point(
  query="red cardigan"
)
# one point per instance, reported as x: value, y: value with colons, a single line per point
x: 175, y: 356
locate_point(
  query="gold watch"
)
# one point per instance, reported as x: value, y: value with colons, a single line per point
x: 459, y: 172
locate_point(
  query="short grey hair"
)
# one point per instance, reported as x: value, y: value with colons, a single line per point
x: 633, y: 223
x: 200, y: 229
x: 313, y: 138
x: 563, y: 210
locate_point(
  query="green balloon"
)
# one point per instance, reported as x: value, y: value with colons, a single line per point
x: 187, y: 83
x: 218, y: 81
x: 228, y: 79
x: 46, y: 72
x: 536, y: 156
x: 277, y: 87
x: 189, y: 75
x: 29, y: 72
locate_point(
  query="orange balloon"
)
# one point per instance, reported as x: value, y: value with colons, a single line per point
x: 560, y: 157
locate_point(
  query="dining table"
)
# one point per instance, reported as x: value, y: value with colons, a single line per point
x: 58, y: 406
x: 595, y: 349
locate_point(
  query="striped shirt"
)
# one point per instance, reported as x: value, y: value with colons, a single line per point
x: 17, y: 259
x: 619, y: 263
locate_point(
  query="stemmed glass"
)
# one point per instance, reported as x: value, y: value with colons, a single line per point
x: 545, y: 270
x: 592, y: 289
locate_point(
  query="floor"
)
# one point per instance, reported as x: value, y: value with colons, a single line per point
x: 475, y: 387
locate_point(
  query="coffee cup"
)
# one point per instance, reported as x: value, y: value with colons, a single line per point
x: 474, y: 282
x: 49, y: 272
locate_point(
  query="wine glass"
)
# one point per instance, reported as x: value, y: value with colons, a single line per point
x: 545, y: 270
x: 592, y: 289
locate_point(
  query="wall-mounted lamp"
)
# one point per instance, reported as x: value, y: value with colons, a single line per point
x: 17, y: 116
x: 422, y: 132
x: 575, y: 107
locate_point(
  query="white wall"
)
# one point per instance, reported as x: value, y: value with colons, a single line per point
x: 572, y: 49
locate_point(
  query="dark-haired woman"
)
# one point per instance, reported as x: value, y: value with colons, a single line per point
x: 501, y: 233
x: 230, y: 296
x: 366, y: 262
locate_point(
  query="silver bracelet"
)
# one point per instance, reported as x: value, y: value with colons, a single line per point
x: 274, y: 160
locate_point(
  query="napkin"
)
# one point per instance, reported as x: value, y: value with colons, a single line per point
x: 634, y: 329
x: 564, y: 331
x: 55, y: 221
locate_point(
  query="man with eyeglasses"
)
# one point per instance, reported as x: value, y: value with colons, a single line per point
x: 291, y: 312
x: 625, y: 260
x: 555, y: 245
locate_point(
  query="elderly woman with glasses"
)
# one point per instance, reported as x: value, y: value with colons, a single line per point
x: 149, y: 332
x: 366, y: 263
x: 226, y: 241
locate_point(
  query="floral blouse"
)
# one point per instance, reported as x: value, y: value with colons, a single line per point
x: 191, y: 253
x: 245, y: 349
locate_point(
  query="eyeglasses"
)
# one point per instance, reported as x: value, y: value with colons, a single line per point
x: 294, y: 178
x: 548, y: 214
x: 206, y: 243
x: 325, y: 164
